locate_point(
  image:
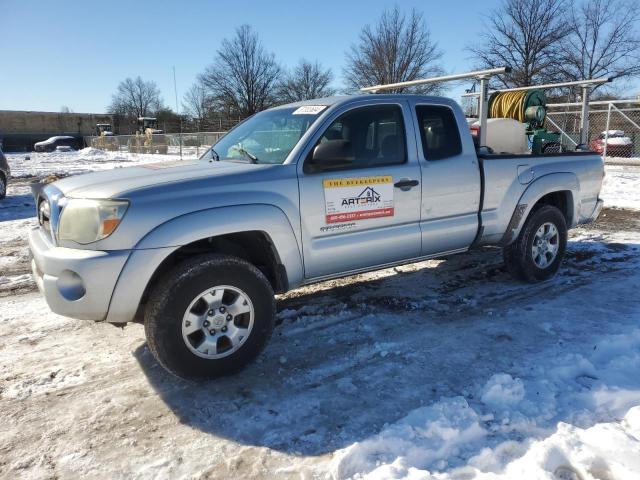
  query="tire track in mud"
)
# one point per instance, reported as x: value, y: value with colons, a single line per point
x: 370, y: 347
x: 486, y: 290
x: 469, y: 283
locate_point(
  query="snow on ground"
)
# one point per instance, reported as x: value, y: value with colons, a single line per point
x: 632, y: 161
x: 444, y: 369
x: 621, y: 187
x: 17, y: 211
x: 36, y: 164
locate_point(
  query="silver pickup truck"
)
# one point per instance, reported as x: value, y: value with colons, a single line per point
x: 294, y: 195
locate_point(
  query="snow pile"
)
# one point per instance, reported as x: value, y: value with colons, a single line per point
x: 502, y: 391
x: 89, y: 159
x: 580, y: 420
x: 621, y: 187
x: 424, y: 438
x: 606, y: 450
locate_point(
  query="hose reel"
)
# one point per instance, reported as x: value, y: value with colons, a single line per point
x: 526, y: 106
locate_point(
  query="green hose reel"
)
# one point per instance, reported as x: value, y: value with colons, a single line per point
x: 526, y: 106
x: 534, y: 106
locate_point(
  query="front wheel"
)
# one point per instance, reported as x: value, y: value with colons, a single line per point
x: 3, y: 187
x: 538, y: 251
x: 209, y: 316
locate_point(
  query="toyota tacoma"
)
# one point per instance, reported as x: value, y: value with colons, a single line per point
x: 295, y: 195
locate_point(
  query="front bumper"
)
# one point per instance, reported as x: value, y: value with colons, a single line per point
x: 75, y: 283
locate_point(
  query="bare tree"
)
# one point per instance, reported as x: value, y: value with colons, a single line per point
x: 243, y: 78
x: 397, y: 48
x: 305, y: 82
x: 197, y: 103
x: 604, y: 40
x: 525, y: 35
x: 65, y: 109
x: 135, y: 97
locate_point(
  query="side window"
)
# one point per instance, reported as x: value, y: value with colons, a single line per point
x: 372, y: 136
x: 439, y: 132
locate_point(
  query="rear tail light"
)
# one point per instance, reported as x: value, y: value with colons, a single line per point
x: 475, y: 135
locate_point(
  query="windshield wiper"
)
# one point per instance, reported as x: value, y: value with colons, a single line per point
x: 250, y: 156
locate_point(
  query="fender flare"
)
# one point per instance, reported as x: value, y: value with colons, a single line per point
x: 553, y: 182
x: 167, y: 237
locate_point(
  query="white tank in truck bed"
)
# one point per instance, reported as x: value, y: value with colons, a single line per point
x: 504, y: 135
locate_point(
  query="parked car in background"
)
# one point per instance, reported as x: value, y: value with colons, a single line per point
x: 4, y: 175
x: 64, y: 148
x: 618, y: 144
x: 50, y: 144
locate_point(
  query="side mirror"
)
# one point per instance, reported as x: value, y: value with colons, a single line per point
x: 331, y: 154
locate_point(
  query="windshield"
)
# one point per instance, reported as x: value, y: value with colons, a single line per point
x: 267, y: 137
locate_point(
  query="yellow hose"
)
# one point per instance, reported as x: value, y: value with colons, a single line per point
x: 508, y: 105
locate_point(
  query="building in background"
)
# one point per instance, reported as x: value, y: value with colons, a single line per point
x: 19, y: 130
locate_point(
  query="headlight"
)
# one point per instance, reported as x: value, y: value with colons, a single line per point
x: 86, y: 221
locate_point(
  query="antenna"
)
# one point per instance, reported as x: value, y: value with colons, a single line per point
x: 175, y: 90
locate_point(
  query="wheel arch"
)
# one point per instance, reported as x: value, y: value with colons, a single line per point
x: 254, y: 246
x: 260, y: 234
x: 560, y: 190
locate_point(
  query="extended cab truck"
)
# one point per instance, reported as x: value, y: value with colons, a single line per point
x: 295, y: 195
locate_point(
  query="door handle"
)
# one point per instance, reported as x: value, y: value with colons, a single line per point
x: 405, y: 184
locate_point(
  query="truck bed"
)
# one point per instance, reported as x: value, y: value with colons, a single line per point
x: 506, y: 177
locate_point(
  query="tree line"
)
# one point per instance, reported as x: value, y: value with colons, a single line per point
x: 544, y: 41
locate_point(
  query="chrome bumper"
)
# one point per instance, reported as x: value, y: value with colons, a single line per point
x: 75, y: 283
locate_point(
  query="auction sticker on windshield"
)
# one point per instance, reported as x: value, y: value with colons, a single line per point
x: 348, y: 199
x: 309, y: 110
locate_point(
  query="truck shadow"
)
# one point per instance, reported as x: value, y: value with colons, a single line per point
x: 344, y: 362
x: 17, y: 207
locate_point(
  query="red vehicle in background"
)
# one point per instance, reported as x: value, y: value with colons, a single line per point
x: 618, y: 144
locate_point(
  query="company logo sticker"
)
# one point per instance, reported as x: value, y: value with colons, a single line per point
x: 349, y: 199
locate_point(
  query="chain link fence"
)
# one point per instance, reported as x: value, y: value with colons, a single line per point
x: 129, y: 125
x: 193, y: 144
x: 613, y: 132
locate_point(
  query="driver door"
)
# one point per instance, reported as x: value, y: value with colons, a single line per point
x: 364, y: 213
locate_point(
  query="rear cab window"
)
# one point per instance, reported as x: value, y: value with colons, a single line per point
x: 439, y: 133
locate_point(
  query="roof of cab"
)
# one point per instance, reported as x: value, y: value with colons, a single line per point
x: 345, y: 99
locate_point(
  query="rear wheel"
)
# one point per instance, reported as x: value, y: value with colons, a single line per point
x: 538, y: 251
x: 3, y: 187
x: 209, y: 317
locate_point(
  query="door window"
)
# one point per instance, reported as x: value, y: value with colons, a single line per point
x: 373, y: 135
x: 439, y: 132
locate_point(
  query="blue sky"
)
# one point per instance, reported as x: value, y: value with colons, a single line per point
x: 75, y: 53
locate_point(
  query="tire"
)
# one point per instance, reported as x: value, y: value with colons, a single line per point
x: 3, y: 186
x: 180, y: 307
x: 519, y: 256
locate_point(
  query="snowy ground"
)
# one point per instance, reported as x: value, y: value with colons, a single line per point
x: 34, y: 164
x: 445, y: 369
